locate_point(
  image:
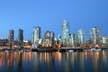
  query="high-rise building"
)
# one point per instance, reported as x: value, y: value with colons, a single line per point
x: 20, y: 37
x: 65, y: 33
x: 105, y: 40
x: 36, y: 35
x: 81, y: 38
x: 49, y: 39
x: 95, y: 35
x: 71, y: 40
x: 49, y: 35
x: 76, y: 40
x: 11, y: 38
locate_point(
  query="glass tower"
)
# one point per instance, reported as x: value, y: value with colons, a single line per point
x: 65, y: 33
x: 36, y: 35
x: 95, y: 35
x: 20, y: 37
x: 11, y: 38
x: 81, y: 36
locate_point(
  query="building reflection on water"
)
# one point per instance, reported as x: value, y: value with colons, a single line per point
x: 53, y: 61
x: 14, y: 61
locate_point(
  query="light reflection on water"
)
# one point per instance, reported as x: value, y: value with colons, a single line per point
x: 54, y: 61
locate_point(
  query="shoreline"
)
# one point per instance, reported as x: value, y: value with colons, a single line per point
x: 52, y: 49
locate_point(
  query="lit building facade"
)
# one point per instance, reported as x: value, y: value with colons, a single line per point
x: 81, y: 37
x: 95, y: 35
x: 48, y: 41
x: 65, y: 33
x: 76, y: 40
x: 11, y: 38
x: 104, y: 41
x: 36, y: 35
x: 71, y: 40
x: 20, y: 37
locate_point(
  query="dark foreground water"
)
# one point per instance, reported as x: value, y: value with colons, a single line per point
x: 54, y: 61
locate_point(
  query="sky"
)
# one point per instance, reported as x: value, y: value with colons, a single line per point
x: 49, y: 15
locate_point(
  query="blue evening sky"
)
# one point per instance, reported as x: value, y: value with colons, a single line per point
x: 49, y: 15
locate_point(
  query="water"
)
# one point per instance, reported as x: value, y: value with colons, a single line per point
x: 54, y: 61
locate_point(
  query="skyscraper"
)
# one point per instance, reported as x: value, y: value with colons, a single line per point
x: 76, y: 40
x: 36, y: 35
x: 11, y: 38
x: 71, y: 40
x: 95, y: 35
x: 81, y: 36
x: 49, y: 39
x: 20, y: 37
x: 65, y: 33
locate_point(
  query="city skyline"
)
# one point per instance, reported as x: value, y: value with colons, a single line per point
x: 50, y: 40
x: 49, y: 15
x: 53, y: 35
x: 59, y: 34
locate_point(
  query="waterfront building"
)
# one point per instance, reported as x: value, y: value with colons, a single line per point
x: 36, y: 35
x: 11, y: 38
x: 20, y: 37
x: 71, y: 40
x: 40, y: 41
x: 49, y: 39
x: 95, y: 35
x: 3, y: 42
x: 104, y: 41
x: 58, y: 42
x: 76, y: 40
x: 27, y: 44
x: 65, y: 33
x: 81, y: 37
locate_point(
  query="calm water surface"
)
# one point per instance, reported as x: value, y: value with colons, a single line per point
x: 54, y: 61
